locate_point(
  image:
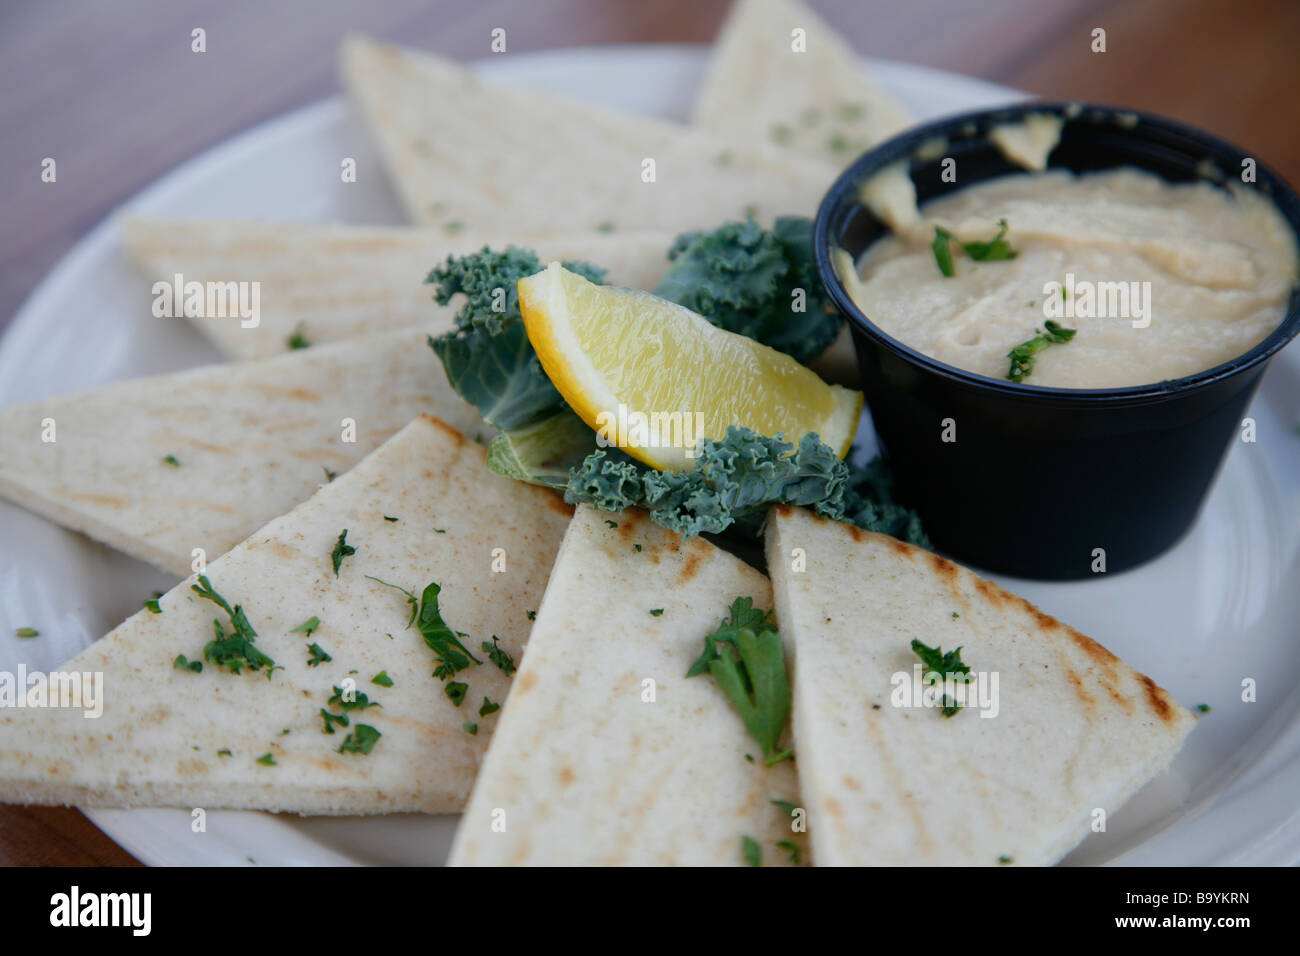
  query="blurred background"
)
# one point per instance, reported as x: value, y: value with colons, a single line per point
x: 113, y: 91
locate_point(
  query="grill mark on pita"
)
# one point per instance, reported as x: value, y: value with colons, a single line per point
x: 991, y: 592
x: 945, y: 570
x: 1087, y: 700
x: 526, y: 683
x: 857, y: 534
x: 438, y: 423
x: 275, y: 391
x: 1158, y: 699
x: 556, y: 503
x: 691, y: 567
x: 97, y: 499
x: 565, y: 777
x: 905, y: 800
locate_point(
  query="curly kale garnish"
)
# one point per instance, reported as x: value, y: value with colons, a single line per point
x: 737, y: 479
x: 760, y: 283
x: 488, y: 358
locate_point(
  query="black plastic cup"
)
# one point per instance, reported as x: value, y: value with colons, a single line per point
x: 1048, y: 483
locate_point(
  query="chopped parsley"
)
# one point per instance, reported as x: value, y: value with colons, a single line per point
x: 637, y: 546
x: 172, y: 460
x: 499, y: 656
x: 992, y: 250
x: 940, y: 666
x: 942, y: 248
x: 532, y: 615
x: 27, y: 632
x: 456, y: 691
x: 234, y: 650
x: 1004, y: 859
x: 1203, y: 708
x: 746, y: 658
x: 751, y: 851
x: 224, y: 752
x: 297, y: 340
x: 389, y: 518
x: 488, y: 707
x: 1022, y: 356
x: 612, y: 524
x: 307, y: 627
x: 341, y: 550
x: 352, y: 700
x: 411, y: 600
x: 785, y: 806
x: 266, y: 760
x: 791, y: 848
x: 318, y: 656
x: 470, y: 728
x: 656, y: 612
x: 332, y: 719
x: 152, y: 604
x: 183, y: 664
x: 329, y: 475
x: 382, y: 679
x: 362, y: 740
x: 452, y: 656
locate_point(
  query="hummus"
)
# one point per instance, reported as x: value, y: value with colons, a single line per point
x: 1159, y: 280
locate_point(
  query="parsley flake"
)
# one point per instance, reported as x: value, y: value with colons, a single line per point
x: 341, y: 550
x: 362, y: 740
x: 499, y: 656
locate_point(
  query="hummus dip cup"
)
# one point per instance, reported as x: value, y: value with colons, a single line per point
x: 1048, y: 483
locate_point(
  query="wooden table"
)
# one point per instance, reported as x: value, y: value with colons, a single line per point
x: 113, y: 92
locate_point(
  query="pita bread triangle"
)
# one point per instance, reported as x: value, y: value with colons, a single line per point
x: 807, y: 92
x: 583, y: 769
x: 489, y: 157
x: 327, y: 283
x: 249, y: 441
x: 171, y: 737
x: 1074, y: 729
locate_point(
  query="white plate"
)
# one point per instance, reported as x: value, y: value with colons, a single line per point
x: 1221, y: 607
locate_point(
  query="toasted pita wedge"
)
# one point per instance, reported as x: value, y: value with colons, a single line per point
x: 249, y: 441
x: 493, y: 158
x: 583, y: 768
x: 806, y: 91
x: 327, y: 283
x: 172, y: 737
x: 1074, y: 729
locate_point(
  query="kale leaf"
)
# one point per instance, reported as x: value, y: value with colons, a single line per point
x: 737, y: 479
x: 488, y: 358
x: 744, y: 279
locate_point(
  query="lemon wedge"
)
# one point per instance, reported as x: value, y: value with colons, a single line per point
x: 653, y: 377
